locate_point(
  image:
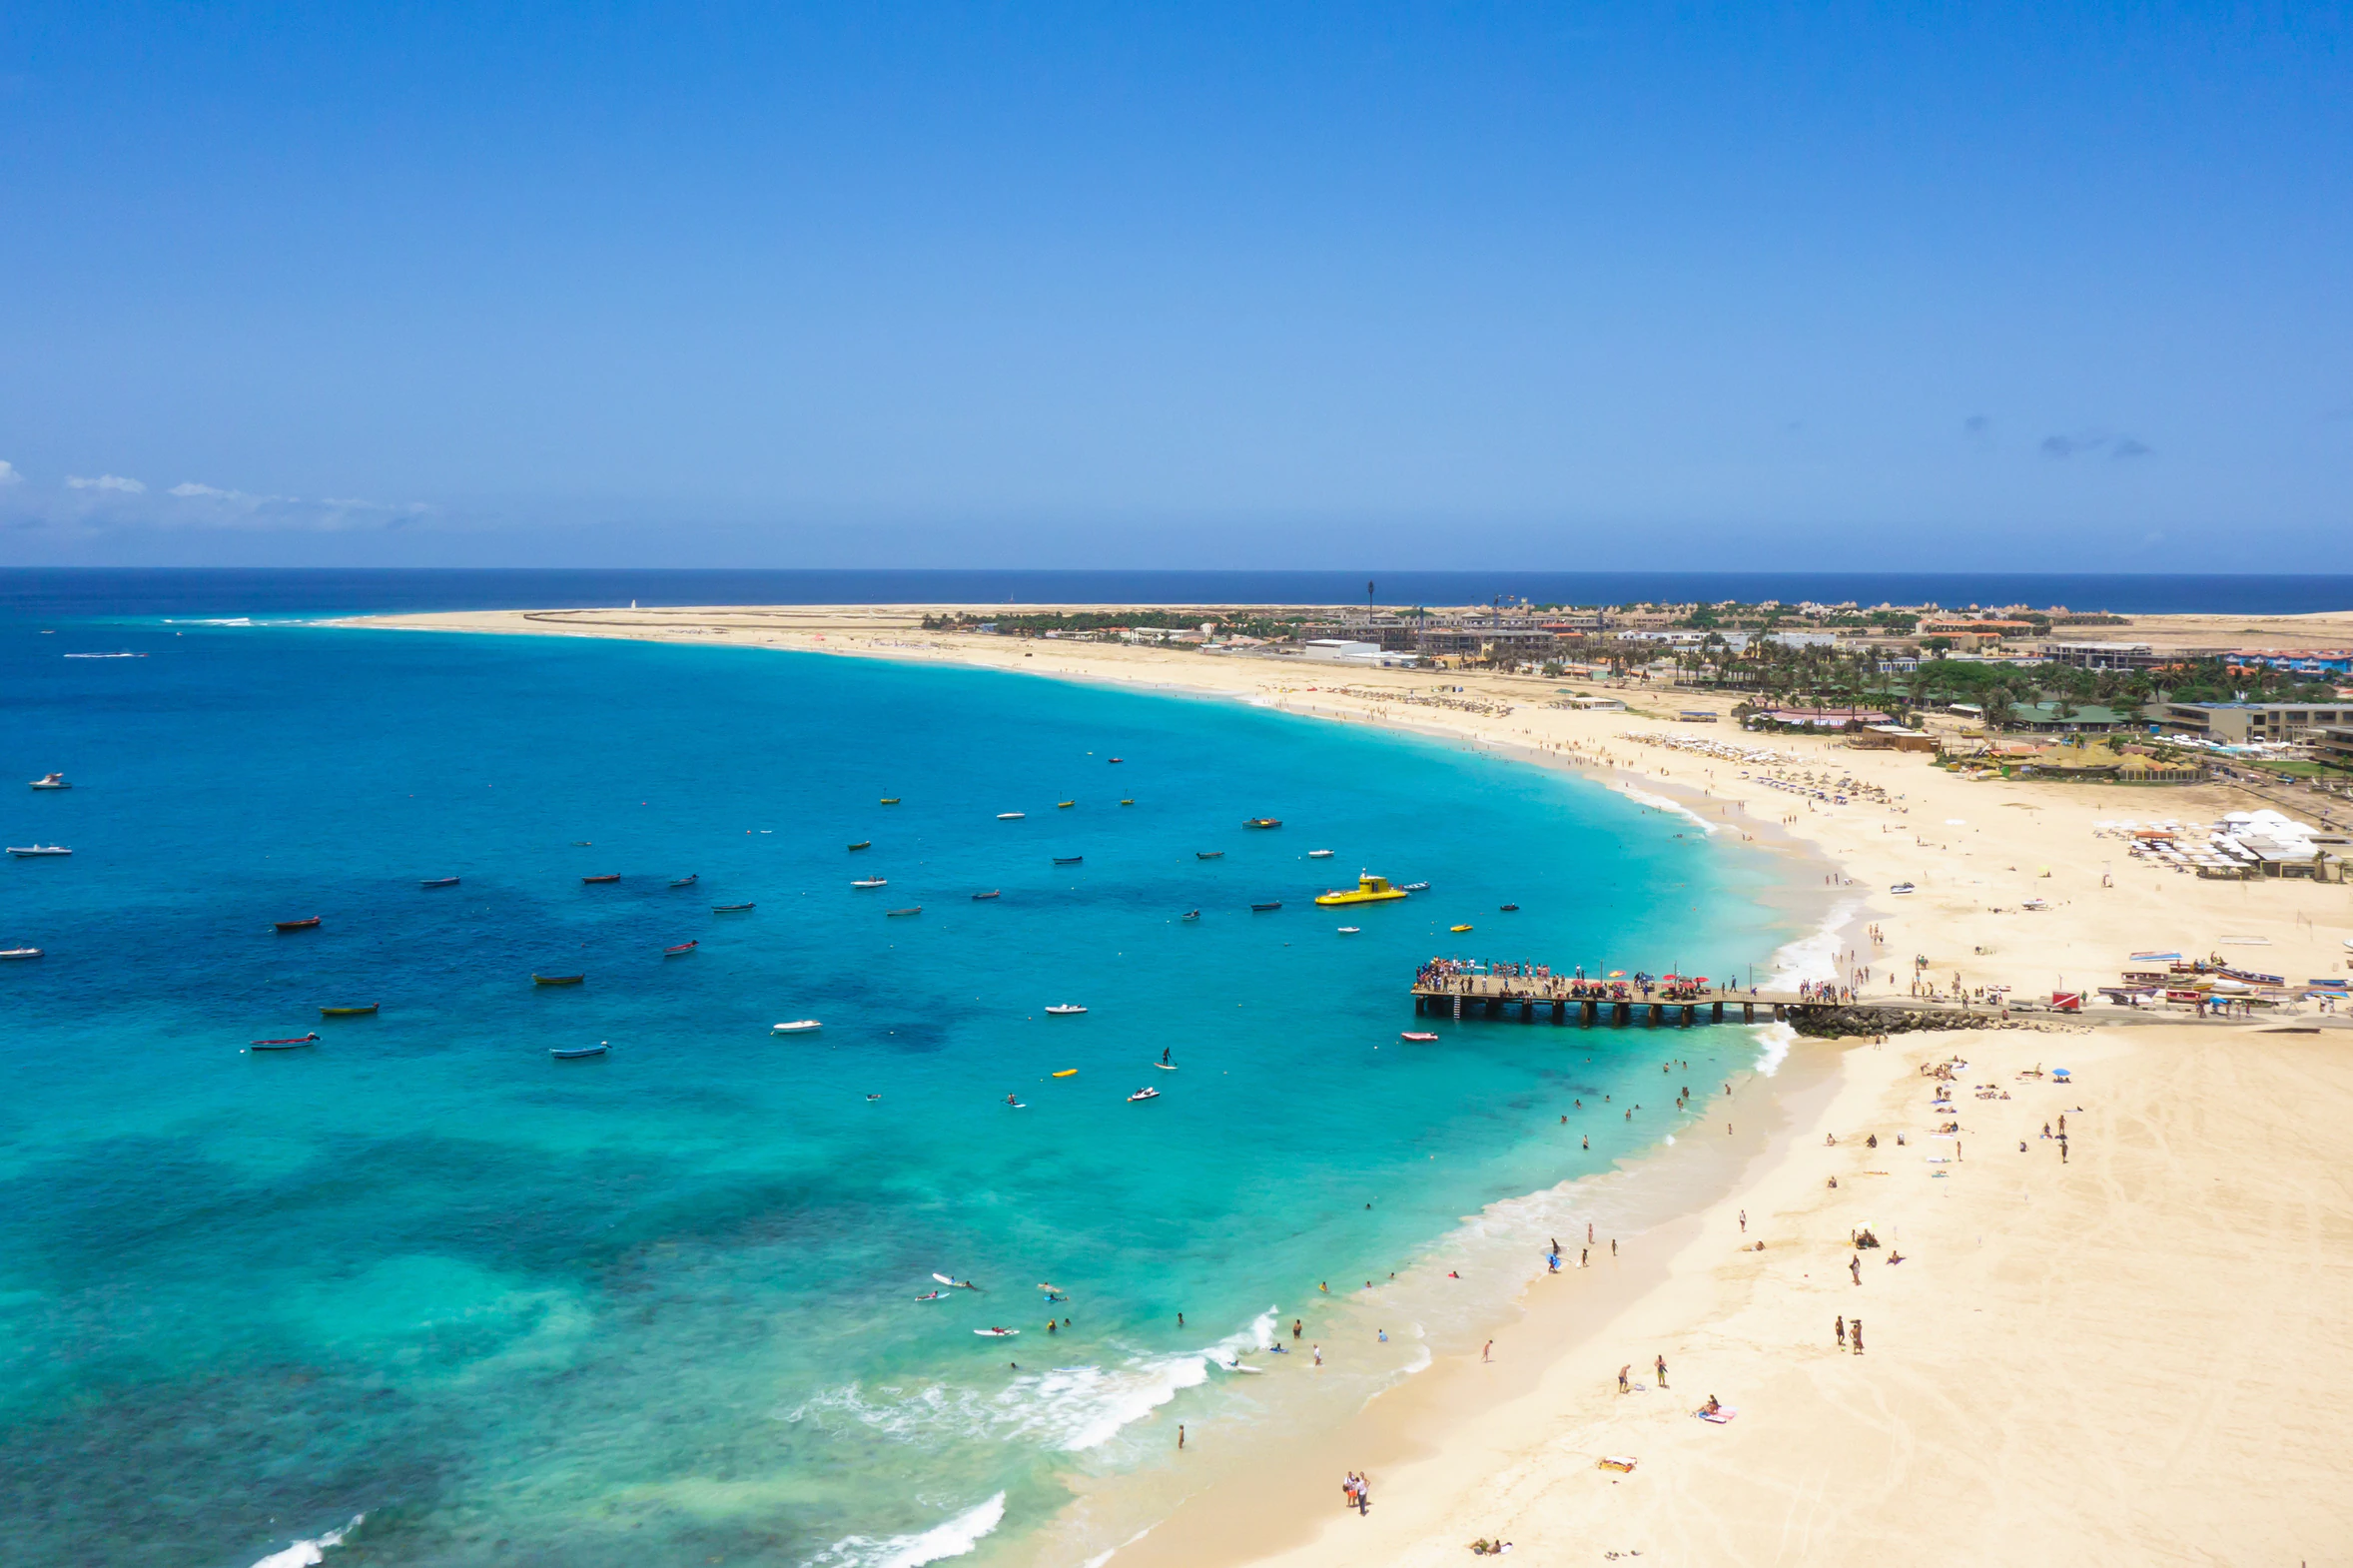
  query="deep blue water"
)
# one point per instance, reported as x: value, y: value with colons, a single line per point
x: 659, y: 1307
x: 68, y: 591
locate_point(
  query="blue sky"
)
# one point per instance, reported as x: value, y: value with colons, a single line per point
x: 1098, y: 285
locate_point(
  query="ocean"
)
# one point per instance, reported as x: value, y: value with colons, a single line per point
x: 667, y: 1305
x: 83, y: 591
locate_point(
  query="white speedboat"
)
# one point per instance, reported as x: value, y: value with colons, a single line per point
x: 1066, y: 1008
x: 1010, y: 816
x: 20, y: 952
x: 1319, y: 854
x: 51, y: 781
x: 799, y: 1025
x: 28, y: 850
x: 1349, y: 931
x: 871, y: 882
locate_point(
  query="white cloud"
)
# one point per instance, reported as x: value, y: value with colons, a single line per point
x: 8, y: 473
x: 191, y: 488
x: 106, y: 481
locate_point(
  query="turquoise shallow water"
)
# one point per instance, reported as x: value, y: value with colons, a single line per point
x: 660, y: 1306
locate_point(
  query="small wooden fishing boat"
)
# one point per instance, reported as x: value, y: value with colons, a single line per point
x: 1508, y: 908
x: 614, y: 876
x: 863, y: 844
x: 558, y: 980
x: 992, y: 893
x: 1270, y: 904
x: 295, y: 925
x: 1420, y: 1037
x: 1209, y: 854
x: 1126, y: 802
x: 681, y: 948
x: 730, y: 909
x: 283, y: 1045
x: 365, y: 1012
x: 890, y: 800
x: 1264, y: 822
x: 1068, y: 860
x: 915, y: 908
x: 686, y: 882
x: 1119, y: 759
x: 438, y: 882
x: 799, y: 1025
x: 1066, y: 1010
x: 51, y: 781
x: 1190, y: 913
x: 20, y: 952
x: 575, y: 1053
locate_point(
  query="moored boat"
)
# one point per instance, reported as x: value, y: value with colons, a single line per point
x: 1190, y: 913
x: 1349, y: 931
x: 614, y: 876
x: 1369, y: 889
x: 912, y: 908
x: 687, y: 880
x: 1063, y: 805
x: 20, y: 952
x: 558, y: 980
x: 992, y: 893
x: 871, y: 882
x: 1010, y: 816
x: 31, y: 851
x: 1209, y: 854
x: 1068, y: 860
x: 51, y: 781
x: 1270, y: 904
x: 1264, y: 822
x: 365, y: 1012
x: 283, y: 1045
x: 1413, y: 887
x: 681, y: 948
x: 1509, y: 907
x: 1066, y: 1010
x: 575, y: 1053
x: 1319, y: 854
x: 438, y: 882
x: 863, y: 844
x: 798, y: 1026
x: 890, y: 800
x: 730, y: 909
x: 1128, y: 802
x: 1420, y: 1037
x: 1458, y: 928
x: 295, y: 925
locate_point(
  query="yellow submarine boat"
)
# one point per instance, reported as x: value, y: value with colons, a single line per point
x: 1369, y: 889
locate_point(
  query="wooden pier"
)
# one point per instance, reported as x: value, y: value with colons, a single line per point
x: 1530, y: 999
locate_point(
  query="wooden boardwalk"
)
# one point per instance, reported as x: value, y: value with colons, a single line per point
x: 1528, y: 1001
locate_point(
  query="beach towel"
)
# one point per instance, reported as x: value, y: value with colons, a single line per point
x: 1717, y: 1416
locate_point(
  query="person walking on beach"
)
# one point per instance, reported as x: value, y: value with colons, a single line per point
x: 1660, y: 1364
x: 1743, y: 1221
x: 1855, y: 1334
x: 1488, y: 1354
x: 1839, y: 1328
x: 1855, y: 1267
x: 1623, y: 1385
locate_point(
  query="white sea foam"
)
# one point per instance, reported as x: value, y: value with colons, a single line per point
x: 1071, y: 1408
x: 1812, y: 956
x: 952, y: 1538
x: 304, y: 1554
x: 229, y: 620
x: 1773, y: 1048
x: 1661, y: 803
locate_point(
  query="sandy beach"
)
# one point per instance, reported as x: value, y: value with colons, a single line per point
x: 2127, y: 1355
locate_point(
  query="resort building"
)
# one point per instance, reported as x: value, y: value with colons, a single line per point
x: 2334, y: 746
x: 2243, y: 723
x: 2107, y: 656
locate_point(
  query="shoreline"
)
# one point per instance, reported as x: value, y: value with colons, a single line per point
x: 1462, y: 1444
